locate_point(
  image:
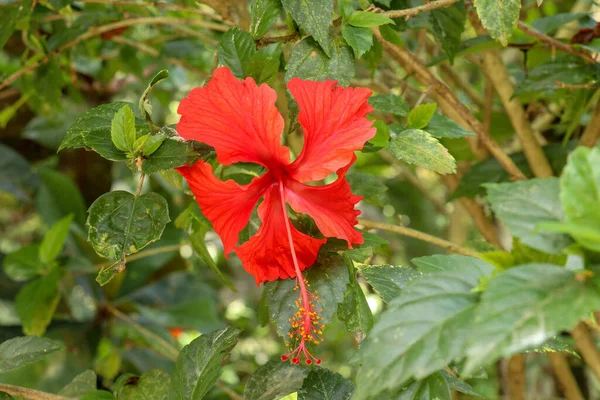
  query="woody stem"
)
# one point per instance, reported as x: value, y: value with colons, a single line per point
x: 299, y: 277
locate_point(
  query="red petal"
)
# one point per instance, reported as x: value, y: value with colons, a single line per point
x: 267, y: 254
x: 237, y: 118
x: 227, y: 205
x: 335, y: 125
x: 331, y: 206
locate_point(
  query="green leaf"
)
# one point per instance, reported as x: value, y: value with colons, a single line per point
x: 314, y: 17
x: 323, y: 384
x: 360, y: 39
x: 388, y: 280
x: 499, y: 17
x: 152, y: 143
x: 441, y: 126
x: 171, y: 154
x: 23, y: 350
x: 308, y: 61
x: 328, y: 276
x: 23, y: 264
x: 98, y: 395
x: 17, y: 177
x: 200, y: 363
x: 83, y: 383
x: 389, y: 34
x: 447, y: 25
x: 106, y: 274
x: 382, y: 137
x: 144, y: 105
x: 264, y: 64
x: 122, y: 131
x: 367, y: 185
x: 524, y: 306
x: 121, y: 223
x: 421, y: 149
x: 263, y: 13
x: 361, y: 252
x: 432, y: 387
x: 235, y: 50
x: 355, y: 311
x: 54, y: 240
x: 580, y: 193
x: 275, y: 380
x: 59, y: 197
x: 36, y: 303
x: 154, y: 384
x: 420, y: 116
x: 391, y: 103
x: 97, y: 120
x: 548, y: 24
x: 452, y: 263
x: 458, y: 384
x: 367, y: 19
x: 523, y: 205
x: 423, y: 330
x: 5, y: 396
x: 12, y: 13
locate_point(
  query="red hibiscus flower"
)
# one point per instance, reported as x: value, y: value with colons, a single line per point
x: 239, y: 119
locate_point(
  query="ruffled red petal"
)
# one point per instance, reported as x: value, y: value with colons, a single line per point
x: 226, y: 204
x: 335, y: 125
x: 238, y: 118
x: 267, y: 255
x: 331, y: 206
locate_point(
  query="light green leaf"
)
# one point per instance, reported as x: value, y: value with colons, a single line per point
x: 458, y: 384
x: 441, y: 126
x: 263, y: 13
x: 421, y: 149
x: 323, y: 384
x: 328, y: 276
x: 391, y: 103
x: 122, y: 130
x: 360, y: 39
x: 36, y: 303
x: 23, y: 264
x: 54, y: 240
x: 499, y: 17
x: 388, y: 280
x: 420, y: 116
x: 423, y: 330
x: 264, y: 64
x: 523, y: 205
x: 83, y: 383
x: 235, y: 51
x: 144, y: 105
x: 154, y: 384
x: 523, y: 307
x: 314, y: 17
x: 23, y: 350
x: 275, y: 380
x: 121, y: 223
x: 447, y: 25
x: 106, y: 274
x: 367, y: 19
x: 200, y: 363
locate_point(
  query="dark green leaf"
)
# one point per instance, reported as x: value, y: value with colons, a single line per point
x: 523, y: 205
x: 98, y: 395
x: 151, y: 144
x: 391, y: 103
x: 388, y: 280
x: 12, y: 14
x: 366, y: 185
x: 275, y: 380
x: 171, y: 154
x: 20, y: 351
x: 264, y: 64
x: 5, y: 396
x: 36, y: 303
x: 200, y: 363
x: 154, y: 384
x: 447, y: 25
x: 441, y: 126
x: 499, y: 17
x: 421, y: 149
x: 121, y: 223
x: 263, y: 13
x: 23, y: 264
x: 323, y: 384
x: 144, y: 105
x: 314, y: 17
x: 523, y: 307
x: 235, y: 50
x: 458, y: 384
x: 423, y: 330
x: 54, y: 240
x: 419, y: 117
x: 548, y: 24
x: 355, y: 311
x: 59, y: 197
x: 367, y: 19
x: 360, y: 39
x: 361, y: 252
x: 122, y: 131
x: 432, y: 387
x: 389, y: 34
x: 80, y: 385
x: 328, y: 276
x: 17, y: 176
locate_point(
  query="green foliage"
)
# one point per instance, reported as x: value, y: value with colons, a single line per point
x: 275, y: 380
x: 264, y: 14
x: 448, y: 25
x: 321, y: 383
x: 20, y: 351
x: 314, y: 17
x: 418, y: 147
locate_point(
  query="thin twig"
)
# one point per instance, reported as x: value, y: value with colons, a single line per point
x: 449, y: 75
x: 411, y: 12
x: 99, y: 30
x: 565, y: 377
x: 590, y: 135
x: 264, y: 41
x: 402, y: 230
x: 587, y: 347
x: 30, y: 393
x: 555, y: 44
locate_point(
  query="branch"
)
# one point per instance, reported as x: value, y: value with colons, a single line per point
x: 516, y: 377
x: 442, y: 94
x: 565, y: 377
x: 449, y: 75
x: 264, y: 41
x: 99, y: 30
x: 498, y: 74
x: 587, y: 346
x: 30, y: 393
x: 411, y: 12
x: 555, y: 44
x: 592, y: 130
x: 402, y: 230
